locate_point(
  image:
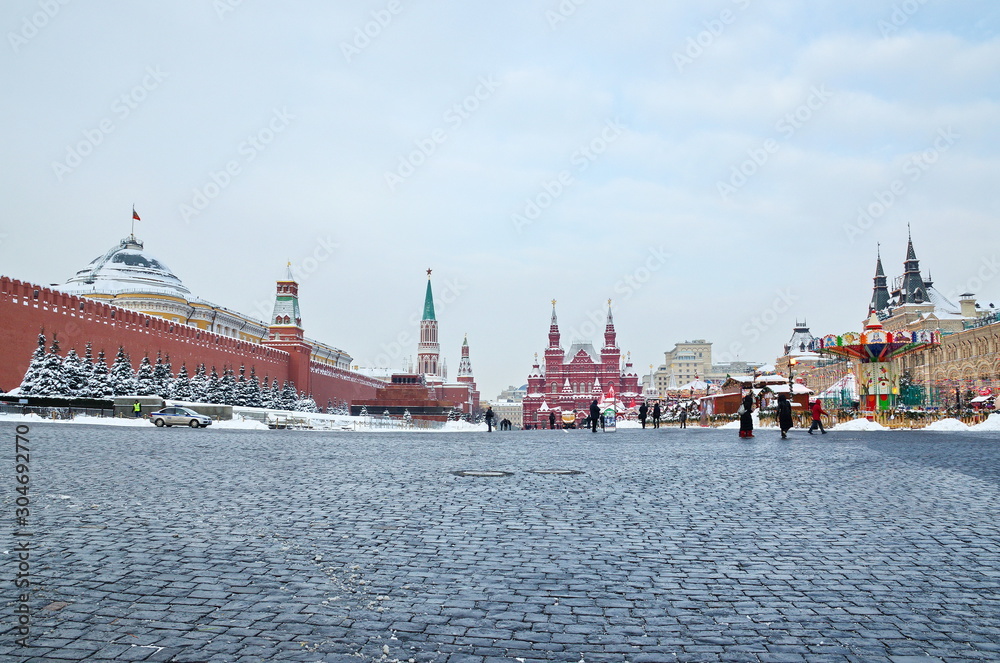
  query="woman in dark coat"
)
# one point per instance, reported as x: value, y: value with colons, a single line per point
x: 746, y: 419
x: 784, y: 415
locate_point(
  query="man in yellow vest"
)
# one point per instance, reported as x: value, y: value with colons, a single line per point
x: 137, y: 409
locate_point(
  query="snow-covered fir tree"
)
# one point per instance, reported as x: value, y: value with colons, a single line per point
x: 145, y: 381
x: 227, y: 387
x: 265, y: 394
x: 99, y: 384
x: 161, y: 376
x: 253, y: 394
x: 51, y: 380
x: 288, y: 396
x: 76, y: 372
x: 305, y: 403
x: 122, y: 379
x: 34, y: 367
x: 386, y: 415
x: 214, y: 394
x: 274, y: 394
x: 180, y: 387
x: 407, y: 418
x: 199, y: 385
x: 364, y: 411
x: 240, y: 391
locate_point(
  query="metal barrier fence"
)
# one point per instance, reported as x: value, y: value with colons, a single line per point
x: 377, y: 423
x: 47, y: 412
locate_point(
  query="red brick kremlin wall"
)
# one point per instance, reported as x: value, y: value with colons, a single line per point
x: 26, y: 308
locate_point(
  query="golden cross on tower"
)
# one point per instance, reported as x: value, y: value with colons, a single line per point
x: 609, y: 301
x: 553, y: 302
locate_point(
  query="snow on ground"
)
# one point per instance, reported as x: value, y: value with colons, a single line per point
x: 858, y: 425
x: 946, y: 425
x: 992, y: 423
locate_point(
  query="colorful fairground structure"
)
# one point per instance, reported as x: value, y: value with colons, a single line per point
x: 874, y: 350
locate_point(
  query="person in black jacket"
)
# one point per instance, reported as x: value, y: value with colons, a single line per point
x: 552, y: 420
x: 784, y: 415
x: 643, y: 411
x: 746, y: 419
x: 656, y: 414
x: 595, y: 415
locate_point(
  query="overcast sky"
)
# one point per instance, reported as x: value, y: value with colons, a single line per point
x: 703, y: 164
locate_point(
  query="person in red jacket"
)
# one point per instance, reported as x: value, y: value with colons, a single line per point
x: 817, y: 412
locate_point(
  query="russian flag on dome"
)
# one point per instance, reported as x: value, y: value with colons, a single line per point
x: 134, y: 215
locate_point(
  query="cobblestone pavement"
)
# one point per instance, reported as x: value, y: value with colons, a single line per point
x: 669, y: 545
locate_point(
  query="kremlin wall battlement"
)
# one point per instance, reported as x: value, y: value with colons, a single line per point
x: 26, y: 308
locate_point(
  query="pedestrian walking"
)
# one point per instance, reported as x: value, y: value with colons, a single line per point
x: 595, y: 415
x: 683, y: 417
x: 552, y: 420
x: 489, y: 419
x: 817, y: 412
x: 656, y: 414
x: 746, y: 415
x: 643, y: 412
x: 784, y: 415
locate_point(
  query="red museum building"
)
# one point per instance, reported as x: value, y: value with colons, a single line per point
x: 570, y: 379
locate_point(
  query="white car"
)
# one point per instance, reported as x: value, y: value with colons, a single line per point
x: 179, y: 416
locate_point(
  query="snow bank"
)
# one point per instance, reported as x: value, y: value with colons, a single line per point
x: 947, y: 425
x: 858, y: 425
x: 105, y: 421
x: 735, y: 424
x: 991, y: 424
x: 20, y: 417
x: 462, y: 427
x: 240, y: 424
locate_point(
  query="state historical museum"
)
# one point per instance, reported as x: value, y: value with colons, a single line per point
x: 571, y: 379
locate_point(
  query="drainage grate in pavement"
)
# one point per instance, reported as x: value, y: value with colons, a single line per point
x: 481, y: 473
x: 555, y: 471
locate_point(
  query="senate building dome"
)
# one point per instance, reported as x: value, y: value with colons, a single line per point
x: 126, y: 268
x: 129, y: 277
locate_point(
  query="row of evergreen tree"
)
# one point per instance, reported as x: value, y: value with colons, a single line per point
x: 50, y: 374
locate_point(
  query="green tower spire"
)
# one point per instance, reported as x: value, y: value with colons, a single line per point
x: 429, y: 300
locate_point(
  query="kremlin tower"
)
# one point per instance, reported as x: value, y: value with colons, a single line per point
x: 428, y: 349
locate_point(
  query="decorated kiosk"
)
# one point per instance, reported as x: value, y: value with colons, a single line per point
x: 874, y: 349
